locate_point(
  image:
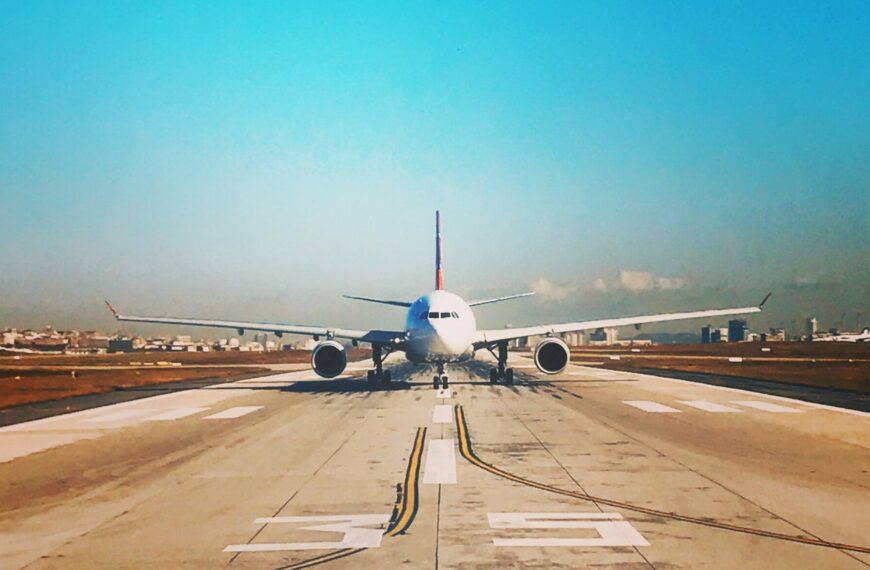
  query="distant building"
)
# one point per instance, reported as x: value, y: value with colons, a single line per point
x: 261, y: 338
x: 774, y: 335
x: 706, y: 334
x: 121, y: 345
x: 736, y: 330
x: 605, y: 337
x: 812, y: 328
x: 574, y: 338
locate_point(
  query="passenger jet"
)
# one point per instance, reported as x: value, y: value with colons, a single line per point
x: 440, y: 328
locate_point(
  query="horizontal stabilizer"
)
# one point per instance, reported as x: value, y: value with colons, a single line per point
x: 499, y: 299
x: 381, y: 301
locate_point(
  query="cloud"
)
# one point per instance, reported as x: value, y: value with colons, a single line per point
x: 545, y: 290
x: 600, y: 285
x: 638, y: 281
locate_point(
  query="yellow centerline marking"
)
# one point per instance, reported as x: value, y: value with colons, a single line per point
x: 410, y: 496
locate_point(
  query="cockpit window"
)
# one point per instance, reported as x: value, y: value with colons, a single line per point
x: 445, y: 315
x: 455, y: 316
x: 433, y: 315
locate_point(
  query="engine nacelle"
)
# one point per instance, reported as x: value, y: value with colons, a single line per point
x: 552, y: 355
x: 328, y: 359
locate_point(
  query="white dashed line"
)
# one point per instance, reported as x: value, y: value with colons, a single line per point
x: 120, y: 415
x: 233, y: 413
x: 654, y: 407
x: 442, y: 414
x: 711, y: 407
x: 175, y: 414
x: 768, y: 407
x: 440, y: 462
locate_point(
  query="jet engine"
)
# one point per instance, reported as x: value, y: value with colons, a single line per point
x: 552, y: 355
x: 328, y: 359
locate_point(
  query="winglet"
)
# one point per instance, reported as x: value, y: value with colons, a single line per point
x: 764, y: 301
x: 111, y: 308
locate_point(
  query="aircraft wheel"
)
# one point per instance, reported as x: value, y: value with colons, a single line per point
x: 387, y: 377
x: 493, y: 375
x: 509, y: 376
x: 371, y: 378
x: 436, y: 382
x: 444, y: 382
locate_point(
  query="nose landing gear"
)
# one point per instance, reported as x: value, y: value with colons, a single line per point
x: 440, y: 380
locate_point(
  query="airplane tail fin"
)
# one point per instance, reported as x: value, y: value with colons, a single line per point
x: 439, y: 271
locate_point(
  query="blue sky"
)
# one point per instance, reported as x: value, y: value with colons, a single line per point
x: 255, y: 160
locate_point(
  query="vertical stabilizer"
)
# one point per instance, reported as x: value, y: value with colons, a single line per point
x: 439, y: 271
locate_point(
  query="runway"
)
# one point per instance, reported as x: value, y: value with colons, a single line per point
x: 591, y: 468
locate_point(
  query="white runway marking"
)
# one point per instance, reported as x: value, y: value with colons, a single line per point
x: 768, y: 407
x: 355, y: 535
x: 442, y: 414
x: 440, y: 462
x: 175, y: 414
x: 654, y: 407
x: 443, y: 393
x: 711, y: 407
x: 233, y: 413
x: 611, y: 528
x: 120, y: 415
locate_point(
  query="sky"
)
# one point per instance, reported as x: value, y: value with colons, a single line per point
x: 250, y: 160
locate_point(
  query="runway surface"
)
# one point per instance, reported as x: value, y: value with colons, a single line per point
x: 592, y: 468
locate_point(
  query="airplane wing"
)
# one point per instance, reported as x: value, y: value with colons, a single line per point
x: 499, y: 299
x: 382, y: 301
x: 488, y: 337
x: 372, y: 336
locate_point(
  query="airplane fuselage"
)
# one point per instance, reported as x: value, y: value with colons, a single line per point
x: 439, y: 328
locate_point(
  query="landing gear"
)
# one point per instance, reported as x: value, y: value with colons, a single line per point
x: 501, y: 373
x: 440, y: 379
x: 378, y: 374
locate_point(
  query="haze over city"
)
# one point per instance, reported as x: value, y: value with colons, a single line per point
x: 207, y: 160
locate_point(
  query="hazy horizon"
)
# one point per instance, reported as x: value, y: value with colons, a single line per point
x: 256, y: 162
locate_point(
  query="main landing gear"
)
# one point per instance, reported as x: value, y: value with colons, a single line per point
x: 378, y: 374
x: 501, y: 373
x: 440, y: 380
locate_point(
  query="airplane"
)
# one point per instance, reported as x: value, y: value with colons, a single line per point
x: 440, y: 328
x: 863, y: 336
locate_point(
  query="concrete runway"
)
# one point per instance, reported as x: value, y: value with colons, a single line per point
x: 592, y: 468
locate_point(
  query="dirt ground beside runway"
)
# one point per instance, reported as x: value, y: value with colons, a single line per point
x: 8, y: 359
x: 844, y: 366
x: 19, y: 387
x: 39, y: 378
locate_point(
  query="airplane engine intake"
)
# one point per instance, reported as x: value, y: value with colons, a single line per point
x: 328, y: 359
x: 552, y: 355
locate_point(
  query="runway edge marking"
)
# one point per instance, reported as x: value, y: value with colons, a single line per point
x: 751, y: 393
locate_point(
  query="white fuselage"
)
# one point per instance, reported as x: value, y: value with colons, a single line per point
x: 439, y: 328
